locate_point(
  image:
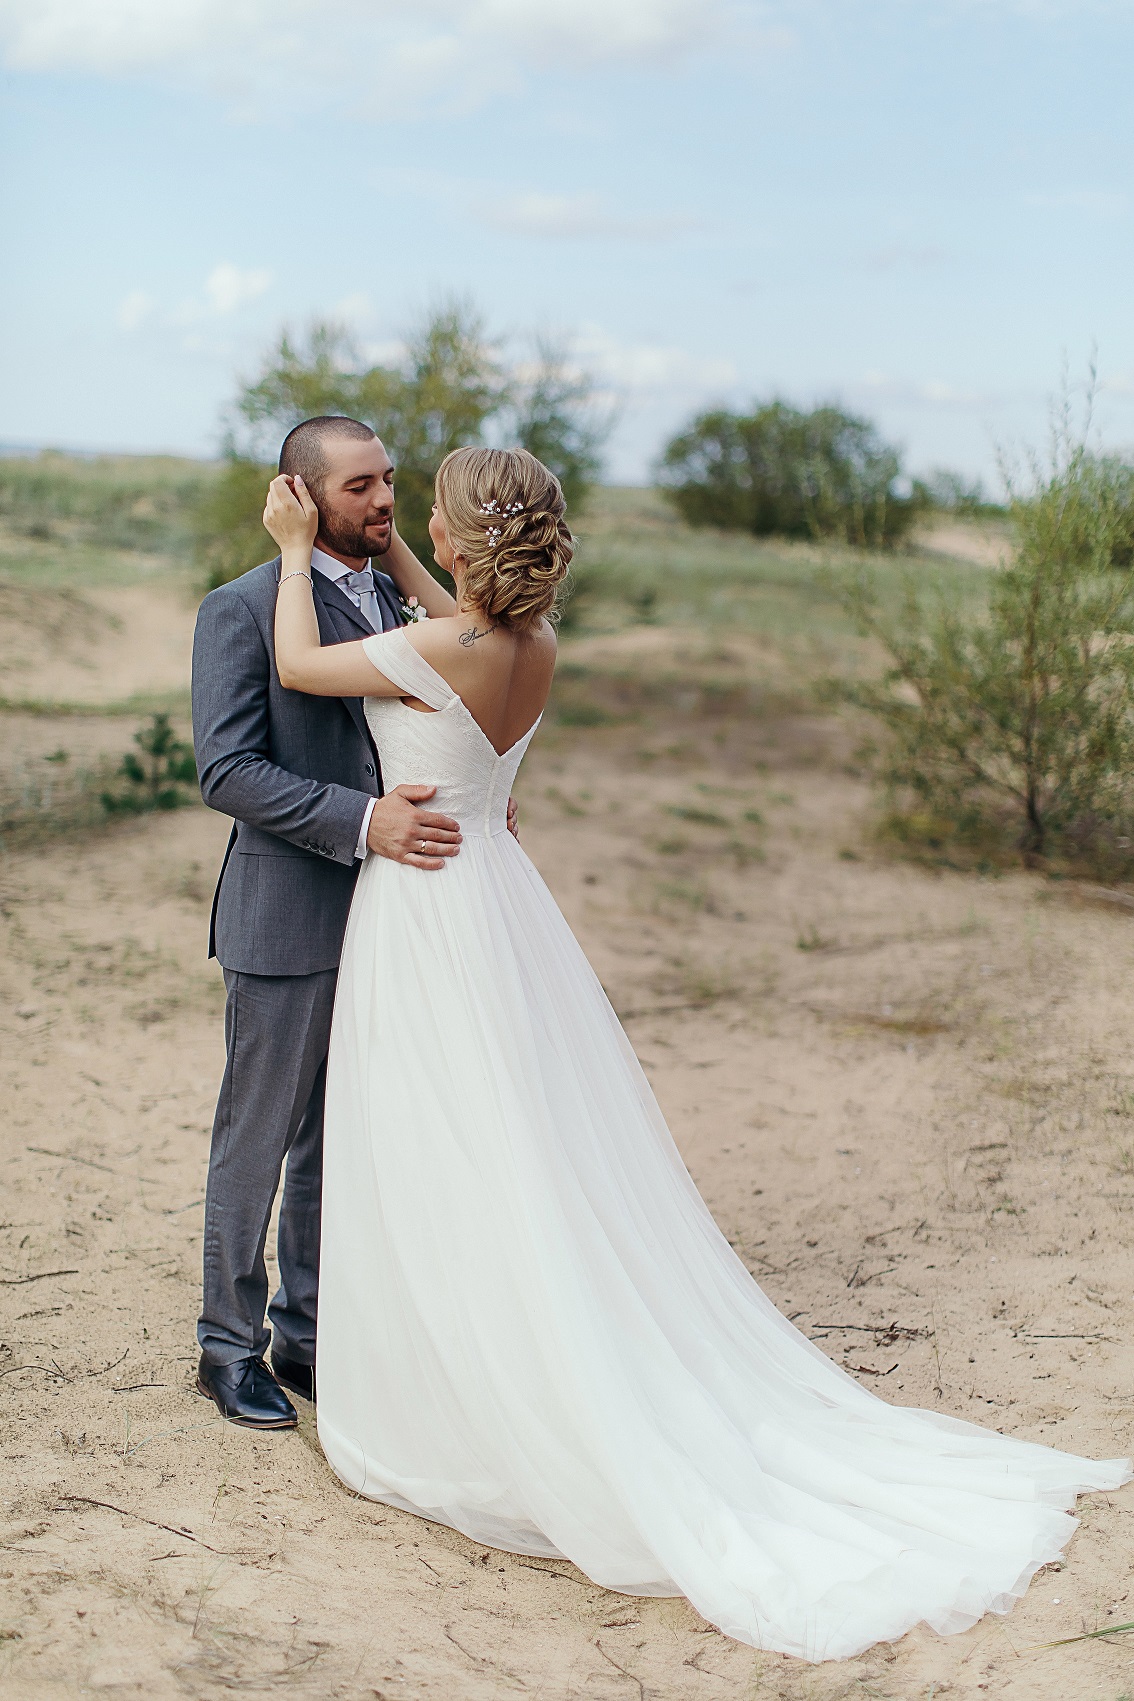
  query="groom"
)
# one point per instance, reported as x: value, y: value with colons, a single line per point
x: 300, y: 776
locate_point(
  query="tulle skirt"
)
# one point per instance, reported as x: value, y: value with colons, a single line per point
x: 531, y: 1329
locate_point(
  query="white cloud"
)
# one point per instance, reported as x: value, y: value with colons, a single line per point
x: 542, y: 214
x: 354, y: 309
x: 897, y: 257
x: 383, y: 53
x: 576, y: 216
x: 1104, y: 203
x: 596, y: 29
x: 1044, y: 8
x: 651, y: 388
x: 134, y: 309
x: 645, y: 369
x: 228, y: 288
x: 926, y: 392
x: 387, y: 352
x: 113, y: 36
x: 390, y: 56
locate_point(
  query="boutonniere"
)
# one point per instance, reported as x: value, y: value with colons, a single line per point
x: 410, y: 610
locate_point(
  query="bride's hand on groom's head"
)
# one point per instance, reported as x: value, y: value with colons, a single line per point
x: 290, y: 514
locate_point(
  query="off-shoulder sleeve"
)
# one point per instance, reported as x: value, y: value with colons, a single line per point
x: 395, y: 657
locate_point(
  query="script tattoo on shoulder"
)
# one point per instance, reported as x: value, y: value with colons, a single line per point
x: 473, y: 633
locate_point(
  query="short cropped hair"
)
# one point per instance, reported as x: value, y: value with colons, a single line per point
x: 301, y: 452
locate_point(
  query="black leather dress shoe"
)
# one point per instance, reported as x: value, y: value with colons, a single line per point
x: 246, y: 1393
x: 300, y: 1378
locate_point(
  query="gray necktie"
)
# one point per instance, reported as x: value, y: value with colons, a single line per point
x: 359, y: 587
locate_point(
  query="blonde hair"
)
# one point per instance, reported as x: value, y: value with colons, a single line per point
x: 504, y: 511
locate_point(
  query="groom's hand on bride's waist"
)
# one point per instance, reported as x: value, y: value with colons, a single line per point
x: 403, y: 831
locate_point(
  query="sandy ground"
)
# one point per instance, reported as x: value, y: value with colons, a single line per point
x: 907, y: 1096
x: 984, y: 544
x: 115, y: 642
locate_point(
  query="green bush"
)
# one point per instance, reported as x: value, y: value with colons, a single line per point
x: 1017, y: 724
x: 780, y: 471
x: 157, y: 778
x: 1112, y: 479
x: 46, y: 797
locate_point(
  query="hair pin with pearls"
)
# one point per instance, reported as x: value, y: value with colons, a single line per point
x: 493, y: 510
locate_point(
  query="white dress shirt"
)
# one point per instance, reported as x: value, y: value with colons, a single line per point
x: 336, y: 570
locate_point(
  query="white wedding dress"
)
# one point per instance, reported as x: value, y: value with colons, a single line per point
x: 532, y: 1330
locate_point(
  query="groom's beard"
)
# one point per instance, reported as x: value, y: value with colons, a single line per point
x: 346, y: 538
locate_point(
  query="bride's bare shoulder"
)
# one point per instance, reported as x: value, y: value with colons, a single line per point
x: 447, y: 635
x: 459, y: 634
x: 427, y: 635
x: 544, y: 637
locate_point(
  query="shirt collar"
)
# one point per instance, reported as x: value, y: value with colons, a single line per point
x: 329, y: 566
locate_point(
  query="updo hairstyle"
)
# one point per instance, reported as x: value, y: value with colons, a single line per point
x: 504, y: 511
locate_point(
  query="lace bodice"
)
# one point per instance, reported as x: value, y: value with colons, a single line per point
x: 446, y: 749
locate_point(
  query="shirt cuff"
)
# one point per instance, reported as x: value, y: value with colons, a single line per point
x: 361, y: 847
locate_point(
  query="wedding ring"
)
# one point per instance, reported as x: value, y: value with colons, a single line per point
x: 421, y: 848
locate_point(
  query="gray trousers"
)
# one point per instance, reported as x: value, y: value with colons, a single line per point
x: 277, y: 1029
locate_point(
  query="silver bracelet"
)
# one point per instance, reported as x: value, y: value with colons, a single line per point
x: 298, y: 574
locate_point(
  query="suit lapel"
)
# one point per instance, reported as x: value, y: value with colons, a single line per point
x: 339, y: 609
x: 386, y: 592
x: 341, y: 623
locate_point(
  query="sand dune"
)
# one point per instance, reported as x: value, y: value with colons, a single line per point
x: 908, y: 1097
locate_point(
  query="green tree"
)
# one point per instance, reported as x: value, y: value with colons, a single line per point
x: 778, y: 470
x: 1022, y: 719
x: 1112, y: 479
x: 452, y: 386
x: 448, y: 384
x: 301, y: 380
x: 227, y: 531
x: 554, y: 417
x: 440, y: 396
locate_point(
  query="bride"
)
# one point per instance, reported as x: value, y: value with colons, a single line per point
x: 530, y: 1328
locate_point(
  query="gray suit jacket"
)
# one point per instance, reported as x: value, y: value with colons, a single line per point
x: 295, y: 772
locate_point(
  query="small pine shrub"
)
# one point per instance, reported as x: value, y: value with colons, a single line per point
x: 1015, y: 727
x: 157, y: 777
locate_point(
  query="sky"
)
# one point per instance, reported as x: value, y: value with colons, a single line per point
x: 920, y: 209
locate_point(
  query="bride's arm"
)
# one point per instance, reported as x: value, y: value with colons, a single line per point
x: 302, y: 661
x: 414, y: 580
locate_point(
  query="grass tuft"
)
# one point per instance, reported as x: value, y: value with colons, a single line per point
x: 700, y: 817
